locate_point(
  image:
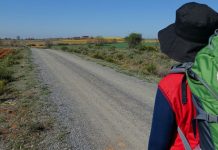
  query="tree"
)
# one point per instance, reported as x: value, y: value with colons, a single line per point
x: 134, y: 39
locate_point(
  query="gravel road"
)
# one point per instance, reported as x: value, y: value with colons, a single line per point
x: 101, y: 108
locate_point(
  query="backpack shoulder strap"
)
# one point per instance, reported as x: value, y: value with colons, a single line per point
x: 184, y: 139
x: 181, y: 68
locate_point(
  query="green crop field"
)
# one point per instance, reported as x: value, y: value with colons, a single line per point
x: 125, y: 44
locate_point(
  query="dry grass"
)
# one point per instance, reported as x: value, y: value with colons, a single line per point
x: 22, y: 121
x: 141, y: 62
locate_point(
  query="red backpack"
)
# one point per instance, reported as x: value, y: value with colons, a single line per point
x: 176, y: 90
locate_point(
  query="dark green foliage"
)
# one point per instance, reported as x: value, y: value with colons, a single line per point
x: 90, y: 46
x: 147, y: 48
x: 110, y: 59
x: 152, y: 68
x: 119, y: 56
x: 5, y: 74
x: 112, y: 48
x: 64, y: 48
x: 99, y: 55
x: 134, y: 39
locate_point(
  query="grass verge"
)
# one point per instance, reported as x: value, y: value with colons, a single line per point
x: 144, y: 62
x: 25, y: 118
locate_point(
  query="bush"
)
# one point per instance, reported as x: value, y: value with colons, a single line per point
x: 76, y: 50
x: 84, y: 52
x: 90, y: 45
x: 119, y: 56
x: 130, y: 55
x: 64, y: 48
x: 5, y: 73
x: 2, y: 86
x: 112, y: 48
x: 134, y: 39
x: 97, y: 47
x: 110, y: 59
x: 11, y: 59
x: 147, y: 48
x: 99, y: 55
x: 152, y: 68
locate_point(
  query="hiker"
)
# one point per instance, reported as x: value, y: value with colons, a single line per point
x: 174, y: 126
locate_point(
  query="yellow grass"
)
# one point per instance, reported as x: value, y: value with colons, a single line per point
x: 41, y: 43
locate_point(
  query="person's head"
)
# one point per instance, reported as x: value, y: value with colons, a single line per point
x: 194, y: 24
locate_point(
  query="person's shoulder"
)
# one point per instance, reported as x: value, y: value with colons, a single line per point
x: 171, y: 82
x: 172, y: 79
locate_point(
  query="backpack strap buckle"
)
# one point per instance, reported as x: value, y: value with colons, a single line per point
x: 207, y: 117
x: 212, y: 118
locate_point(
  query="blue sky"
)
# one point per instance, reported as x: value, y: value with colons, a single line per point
x: 67, y: 18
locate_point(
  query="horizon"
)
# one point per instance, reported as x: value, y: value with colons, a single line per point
x: 65, y: 19
x: 73, y: 37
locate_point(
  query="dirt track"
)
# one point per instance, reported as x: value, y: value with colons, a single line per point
x: 101, y: 109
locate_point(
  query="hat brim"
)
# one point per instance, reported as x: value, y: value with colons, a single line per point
x: 176, y: 47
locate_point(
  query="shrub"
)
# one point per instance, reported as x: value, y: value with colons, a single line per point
x: 99, y: 55
x: 110, y: 59
x: 5, y: 73
x: 83, y: 48
x: 112, y: 48
x: 2, y: 86
x: 97, y: 47
x: 152, y: 68
x: 76, y: 50
x: 130, y: 55
x: 119, y: 56
x: 134, y: 39
x: 147, y: 48
x: 18, y: 56
x: 11, y: 59
x: 64, y: 48
x: 84, y: 52
x: 90, y: 46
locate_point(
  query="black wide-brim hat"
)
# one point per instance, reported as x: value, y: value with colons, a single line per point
x: 195, y: 23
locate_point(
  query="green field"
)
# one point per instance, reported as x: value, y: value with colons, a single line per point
x: 125, y: 45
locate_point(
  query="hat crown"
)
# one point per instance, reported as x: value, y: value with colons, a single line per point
x: 196, y: 22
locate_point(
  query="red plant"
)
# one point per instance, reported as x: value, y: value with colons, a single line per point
x: 4, y: 52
